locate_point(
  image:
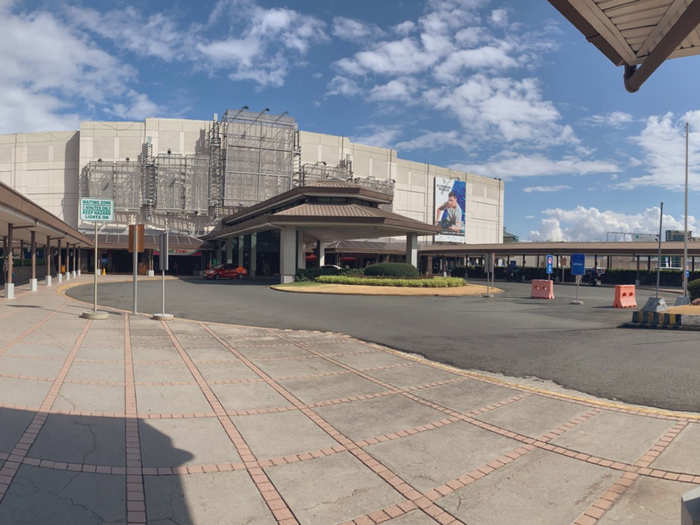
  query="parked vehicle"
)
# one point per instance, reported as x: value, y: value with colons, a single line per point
x: 593, y: 277
x: 225, y: 271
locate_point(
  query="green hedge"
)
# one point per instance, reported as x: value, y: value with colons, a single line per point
x: 392, y: 270
x: 694, y: 289
x: 436, y: 282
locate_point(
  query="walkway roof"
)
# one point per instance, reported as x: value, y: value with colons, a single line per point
x: 25, y: 216
x: 637, y: 34
x: 561, y: 248
x: 325, y: 213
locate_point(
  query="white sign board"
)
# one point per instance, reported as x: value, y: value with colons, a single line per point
x: 96, y: 210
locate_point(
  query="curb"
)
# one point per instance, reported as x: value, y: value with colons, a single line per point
x: 663, y: 320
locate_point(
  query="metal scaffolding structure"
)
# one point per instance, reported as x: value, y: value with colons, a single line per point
x: 258, y: 154
x: 245, y: 158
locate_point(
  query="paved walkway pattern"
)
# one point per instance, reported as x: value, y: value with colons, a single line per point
x: 130, y: 420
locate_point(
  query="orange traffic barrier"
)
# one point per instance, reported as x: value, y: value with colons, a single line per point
x: 542, y: 289
x: 625, y: 296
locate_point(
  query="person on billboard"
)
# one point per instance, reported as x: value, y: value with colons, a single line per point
x: 449, y: 215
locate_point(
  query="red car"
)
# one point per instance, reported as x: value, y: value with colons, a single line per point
x: 225, y: 271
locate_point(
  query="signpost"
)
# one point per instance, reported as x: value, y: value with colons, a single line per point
x: 135, y: 246
x: 549, y: 264
x: 578, y: 268
x: 162, y: 316
x: 489, y: 263
x: 96, y: 210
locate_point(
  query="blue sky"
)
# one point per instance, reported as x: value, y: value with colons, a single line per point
x: 502, y: 88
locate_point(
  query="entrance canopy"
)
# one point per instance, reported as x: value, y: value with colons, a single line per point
x: 324, y: 213
x: 25, y: 216
x: 637, y: 34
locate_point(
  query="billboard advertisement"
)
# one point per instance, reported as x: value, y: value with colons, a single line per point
x: 450, y: 200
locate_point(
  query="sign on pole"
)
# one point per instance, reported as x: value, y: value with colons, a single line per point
x: 549, y: 264
x: 164, y: 251
x: 578, y: 264
x: 96, y: 210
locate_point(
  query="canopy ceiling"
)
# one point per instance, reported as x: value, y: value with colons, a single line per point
x: 637, y: 34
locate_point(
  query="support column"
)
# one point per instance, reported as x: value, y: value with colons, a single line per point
x: 253, y: 255
x: 67, y: 273
x: 229, y: 250
x: 321, y: 253
x: 412, y: 249
x: 59, y: 270
x: 429, y: 266
x: 47, y: 256
x: 10, y: 286
x: 241, y: 250
x: 288, y: 254
x: 648, y: 263
x: 79, y: 268
x: 74, y: 273
x: 151, y: 272
x: 32, y: 281
x: 636, y: 281
x: 301, y: 251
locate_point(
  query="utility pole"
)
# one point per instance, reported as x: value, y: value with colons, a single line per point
x: 685, y: 236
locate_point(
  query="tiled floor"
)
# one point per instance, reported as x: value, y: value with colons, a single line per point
x: 130, y: 420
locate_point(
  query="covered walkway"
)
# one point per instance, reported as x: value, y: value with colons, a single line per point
x: 26, y: 226
x: 309, y: 216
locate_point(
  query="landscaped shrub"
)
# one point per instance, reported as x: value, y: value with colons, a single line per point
x: 694, y: 289
x: 392, y: 270
x: 436, y: 282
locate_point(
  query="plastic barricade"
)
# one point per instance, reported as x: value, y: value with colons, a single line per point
x: 625, y: 296
x: 542, y: 289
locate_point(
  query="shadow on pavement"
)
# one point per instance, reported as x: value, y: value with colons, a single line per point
x: 74, y: 489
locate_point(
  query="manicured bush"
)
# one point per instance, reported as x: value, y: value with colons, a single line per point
x: 392, y: 270
x: 436, y: 282
x: 694, y: 289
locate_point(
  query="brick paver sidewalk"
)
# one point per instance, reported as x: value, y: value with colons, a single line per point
x: 130, y: 420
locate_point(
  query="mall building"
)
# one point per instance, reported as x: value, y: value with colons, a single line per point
x: 188, y: 175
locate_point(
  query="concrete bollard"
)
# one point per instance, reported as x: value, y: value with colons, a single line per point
x: 33, y: 284
x: 74, y: 274
x: 690, y: 507
x: 67, y: 276
x: 10, y: 290
x: 60, y: 277
x: 48, y: 280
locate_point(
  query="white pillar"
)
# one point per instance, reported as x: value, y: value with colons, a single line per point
x: 301, y: 251
x: 321, y: 253
x: 229, y: 250
x: 288, y: 254
x: 412, y: 249
x: 241, y: 249
x: 253, y: 255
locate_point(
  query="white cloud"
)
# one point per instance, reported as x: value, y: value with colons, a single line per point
x: 266, y: 41
x: 662, y: 143
x: 403, y: 89
x: 380, y: 136
x: 514, y: 109
x: 433, y: 140
x: 499, y: 17
x: 509, y: 165
x: 154, y: 35
x: 396, y: 57
x: 354, y: 30
x: 51, y: 73
x: 592, y: 224
x: 547, y: 189
x: 616, y: 119
x: 340, y: 85
x: 487, y: 57
x: 404, y: 28
x: 137, y: 106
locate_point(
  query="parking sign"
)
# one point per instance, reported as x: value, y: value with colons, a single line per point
x: 550, y: 263
x: 578, y: 264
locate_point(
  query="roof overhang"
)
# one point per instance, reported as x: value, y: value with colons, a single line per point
x: 27, y: 217
x: 561, y: 248
x: 637, y: 34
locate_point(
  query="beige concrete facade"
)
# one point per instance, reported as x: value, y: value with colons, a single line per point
x: 46, y: 166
